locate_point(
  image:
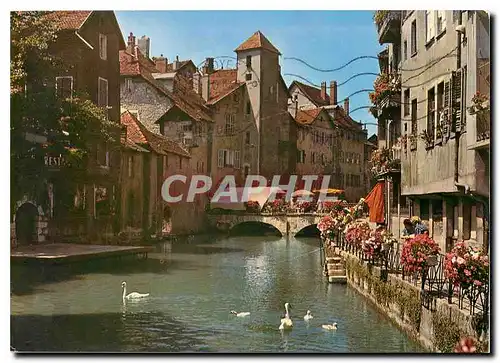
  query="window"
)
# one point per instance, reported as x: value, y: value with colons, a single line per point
x: 229, y: 126
x: 103, y: 46
x: 414, y: 116
x: 405, y: 50
x: 439, y: 107
x: 128, y: 84
x: 102, y: 92
x: 102, y: 155
x: 313, y: 158
x: 301, y: 156
x: 229, y: 158
x: 237, y: 159
x: 249, y: 108
x: 413, y: 37
x: 64, y: 87
x: 249, y: 61
x: 180, y: 162
x: 406, y: 100
x: 429, y: 26
x: 248, y: 76
x: 441, y: 21
x: 187, y: 127
x: 271, y: 90
x: 130, y: 166
x: 247, y: 138
x: 220, y: 158
x: 431, y: 112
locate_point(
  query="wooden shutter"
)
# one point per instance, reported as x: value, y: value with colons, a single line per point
x: 64, y: 87
x: 456, y: 98
x: 237, y: 159
x: 220, y: 158
x: 103, y: 92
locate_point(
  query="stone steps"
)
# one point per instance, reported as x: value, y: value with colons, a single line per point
x: 335, y: 270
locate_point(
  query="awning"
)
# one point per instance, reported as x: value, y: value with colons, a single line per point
x: 329, y: 191
x: 375, y: 201
x: 256, y: 194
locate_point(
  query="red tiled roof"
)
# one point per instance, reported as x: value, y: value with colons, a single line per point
x: 70, y: 20
x: 185, y: 98
x: 307, y: 117
x: 343, y: 119
x: 222, y: 83
x: 139, y: 134
x: 127, y: 144
x: 257, y: 40
x: 170, y: 66
x: 313, y: 93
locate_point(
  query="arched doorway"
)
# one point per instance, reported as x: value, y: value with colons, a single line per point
x: 26, y: 218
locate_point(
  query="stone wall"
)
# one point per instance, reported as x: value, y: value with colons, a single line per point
x: 438, y: 330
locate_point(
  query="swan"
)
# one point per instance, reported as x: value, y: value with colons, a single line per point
x: 132, y: 295
x: 308, y: 316
x: 329, y: 326
x: 286, y: 322
x: 240, y: 315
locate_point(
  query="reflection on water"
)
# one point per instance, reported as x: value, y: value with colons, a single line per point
x: 193, y: 286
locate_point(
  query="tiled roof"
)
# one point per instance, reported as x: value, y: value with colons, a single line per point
x: 307, y: 117
x: 139, y: 134
x: 343, y: 119
x: 71, y: 20
x: 257, y: 40
x: 127, y: 144
x: 185, y: 98
x: 222, y: 83
x: 313, y: 93
x: 170, y: 66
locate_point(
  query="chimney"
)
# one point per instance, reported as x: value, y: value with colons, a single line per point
x: 346, y: 106
x: 161, y: 64
x: 205, y: 85
x: 197, y: 83
x: 209, y: 66
x: 323, y: 90
x: 131, y: 43
x: 333, y: 93
x: 176, y: 63
x: 144, y: 44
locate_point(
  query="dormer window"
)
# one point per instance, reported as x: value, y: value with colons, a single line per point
x: 103, y: 46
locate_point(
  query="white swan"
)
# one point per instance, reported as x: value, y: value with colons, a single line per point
x: 286, y: 322
x: 240, y: 315
x: 329, y: 326
x: 308, y: 316
x: 132, y: 295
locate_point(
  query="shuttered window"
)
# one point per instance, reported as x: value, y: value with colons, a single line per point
x: 430, y: 30
x: 103, y: 46
x: 220, y: 158
x: 237, y: 159
x: 64, y: 87
x: 102, y: 92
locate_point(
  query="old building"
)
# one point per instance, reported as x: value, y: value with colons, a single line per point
x: 87, y: 44
x: 143, y: 175
x: 445, y: 163
x: 315, y: 134
x: 347, y: 170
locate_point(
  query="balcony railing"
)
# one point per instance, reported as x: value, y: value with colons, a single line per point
x: 388, y: 26
x: 483, y: 125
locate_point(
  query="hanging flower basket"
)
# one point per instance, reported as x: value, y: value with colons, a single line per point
x: 416, y: 252
x: 467, y: 266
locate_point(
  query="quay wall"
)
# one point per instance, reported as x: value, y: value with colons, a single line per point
x: 437, y: 330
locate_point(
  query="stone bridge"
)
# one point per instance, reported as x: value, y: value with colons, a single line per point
x: 287, y: 224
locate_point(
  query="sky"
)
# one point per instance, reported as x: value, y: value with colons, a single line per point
x: 324, y: 39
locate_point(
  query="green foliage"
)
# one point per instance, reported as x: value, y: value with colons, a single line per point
x: 72, y: 126
x: 447, y: 333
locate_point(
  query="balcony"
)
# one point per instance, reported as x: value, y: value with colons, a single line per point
x: 386, y: 95
x: 481, y: 109
x: 388, y: 26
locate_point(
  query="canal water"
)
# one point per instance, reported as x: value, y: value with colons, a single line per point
x: 193, y: 286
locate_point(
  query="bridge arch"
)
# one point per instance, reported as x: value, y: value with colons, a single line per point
x: 249, y: 227
x: 310, y: 230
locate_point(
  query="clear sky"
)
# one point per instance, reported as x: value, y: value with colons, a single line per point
x: 324, y: 39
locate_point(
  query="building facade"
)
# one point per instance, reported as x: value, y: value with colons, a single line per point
x: 445, y: 161
x: 87, y: 44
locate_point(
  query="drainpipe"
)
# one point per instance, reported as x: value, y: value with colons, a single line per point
x: 457, y: 134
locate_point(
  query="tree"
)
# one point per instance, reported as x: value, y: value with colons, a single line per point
x: 71, y: 126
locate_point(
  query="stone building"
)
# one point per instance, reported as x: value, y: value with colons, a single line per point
x: 87, y: 44
x: 315, y: 135
x: 249, y: 106
x: 445, y: 163
x: 347, y: 151
x: 143, y: 174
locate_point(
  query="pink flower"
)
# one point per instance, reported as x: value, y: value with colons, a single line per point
x: 466, y: 345
x: 467, y: 272
x: 477, y: 283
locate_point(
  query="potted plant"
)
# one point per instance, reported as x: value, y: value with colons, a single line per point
x: 428, y: 139
x: 466, y: 266
x: 416, y: 252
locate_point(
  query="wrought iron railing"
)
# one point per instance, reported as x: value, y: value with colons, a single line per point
x: 432, y: 281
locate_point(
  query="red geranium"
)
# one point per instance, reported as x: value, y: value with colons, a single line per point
x: 466, y: 266
x: 416, y: 252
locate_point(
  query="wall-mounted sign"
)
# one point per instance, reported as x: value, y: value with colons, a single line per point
x: 54, y: 160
